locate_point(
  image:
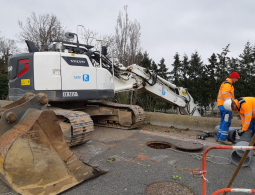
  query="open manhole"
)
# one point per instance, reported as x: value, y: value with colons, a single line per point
x: 159, y: 145
x: 167, y: 188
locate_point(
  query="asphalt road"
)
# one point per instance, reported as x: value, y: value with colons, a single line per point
x: 136, y: 165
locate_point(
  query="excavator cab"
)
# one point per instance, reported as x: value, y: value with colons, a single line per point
x: 61, y: 75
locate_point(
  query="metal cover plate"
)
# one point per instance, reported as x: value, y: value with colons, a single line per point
x: 188, y: 145
x: 167, y: 188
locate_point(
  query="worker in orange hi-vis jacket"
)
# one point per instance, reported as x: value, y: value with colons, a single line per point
x: 226, y: 92
x: 246, y: 107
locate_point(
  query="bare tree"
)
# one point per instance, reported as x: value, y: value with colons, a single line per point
x: 134, y: 41
x: 42, y: 29
x: 121, y: 36
x: 127, y: 43
x: 7, y: 47
x: 127, y: 39
x: 88, y: 36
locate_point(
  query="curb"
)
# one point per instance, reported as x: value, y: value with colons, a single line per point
x: 195, y: 123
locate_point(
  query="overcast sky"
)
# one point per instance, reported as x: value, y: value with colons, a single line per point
x: 167, y: 26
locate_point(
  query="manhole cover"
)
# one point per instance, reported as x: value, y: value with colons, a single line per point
x: 186, y: 145
x: 167, y: 188
x: 159, y: 145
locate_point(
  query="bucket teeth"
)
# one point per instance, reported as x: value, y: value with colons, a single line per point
x: 35, y: 158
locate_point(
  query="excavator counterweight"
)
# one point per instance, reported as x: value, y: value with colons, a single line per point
x: 34, y: 156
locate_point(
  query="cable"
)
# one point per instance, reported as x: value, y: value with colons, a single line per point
x: 188, y: 105
x: 107, y: 64
x: 153, y: 77
x: 198, y: 156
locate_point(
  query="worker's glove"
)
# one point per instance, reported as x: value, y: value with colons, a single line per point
x: 240, y: 132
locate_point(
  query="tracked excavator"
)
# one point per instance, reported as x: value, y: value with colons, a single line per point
x: 57, y: 98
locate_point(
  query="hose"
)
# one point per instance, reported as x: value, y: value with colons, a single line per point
x: 198, y: 156
x: 107, y: 64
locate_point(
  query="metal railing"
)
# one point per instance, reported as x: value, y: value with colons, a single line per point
x: 234, y: 190
x: 202, y: 173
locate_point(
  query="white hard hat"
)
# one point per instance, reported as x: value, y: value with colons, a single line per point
x: 227, y: 105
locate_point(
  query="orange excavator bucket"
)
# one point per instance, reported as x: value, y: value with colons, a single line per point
x: 34, y: 156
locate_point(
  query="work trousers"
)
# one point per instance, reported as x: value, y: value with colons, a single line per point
x: 252, y: 126
x: 226, y: 117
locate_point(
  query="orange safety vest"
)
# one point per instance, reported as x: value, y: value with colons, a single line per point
x: 226, y: 92
x: 246, y: 108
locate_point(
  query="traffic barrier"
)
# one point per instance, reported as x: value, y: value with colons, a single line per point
x: 195, y: 123
x: 234, y: 190
x: 202, y: 173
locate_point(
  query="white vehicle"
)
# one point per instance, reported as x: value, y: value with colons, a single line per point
x: 34, y: 135
x: 71, y: 75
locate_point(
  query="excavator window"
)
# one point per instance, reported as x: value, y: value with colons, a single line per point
x: 72, y: 49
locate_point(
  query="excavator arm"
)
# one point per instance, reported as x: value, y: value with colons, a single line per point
x: 135, y: 77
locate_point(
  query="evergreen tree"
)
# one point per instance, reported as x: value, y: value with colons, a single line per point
x: 246, y: 71
x: 246, y: 60
x: 211, y: 85
x: 146, y: 61
x: 222, y: 68
x: 195, y: 67
x: 196, y: 82
x: 233, y: 64
x: 211, y: 67
x: 252, y: 72
x: 162, y: 70
x: 176, y: 76
x: 154, y: 66
x: 253, y: 53
x: 206, y: 93
x: 184, y: 71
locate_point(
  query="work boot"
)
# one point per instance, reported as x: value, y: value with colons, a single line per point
x: 226, y: 142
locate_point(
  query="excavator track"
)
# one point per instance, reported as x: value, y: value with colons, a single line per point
x: 77, y: 126
x: 137, y: 113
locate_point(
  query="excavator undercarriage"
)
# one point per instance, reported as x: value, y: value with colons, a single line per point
x: 77, y: 120
x: 34, y: 156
